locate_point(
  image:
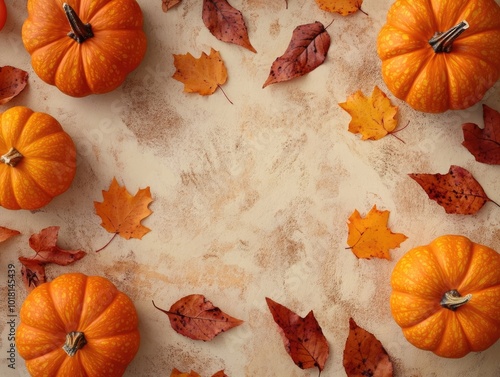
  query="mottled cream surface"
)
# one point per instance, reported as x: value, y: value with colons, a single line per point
x: 251, y: 199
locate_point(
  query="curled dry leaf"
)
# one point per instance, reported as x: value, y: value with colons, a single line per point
x: 457, y: 191
x: 364, y: 355
x: 373, y: 117
x: 166, y: 5
x: 370, y: 237
x: 343, y: 7
x: 484, y: 143
x: 12, y: 82
x: 303, y: 337
x: 306, y: 51
x: 197, y: 318
x: 6, y: 233
x: 226, y: 23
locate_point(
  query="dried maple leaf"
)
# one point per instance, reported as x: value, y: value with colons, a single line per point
x: 178, y: 373
x: 44, y: 244
x: 369, y: 237
x: 457, y: 191
x: 343, y: 7
x: 197, y: 318
x: 166, y: 5
x: 203, y: 75
x: 226, y: 23
x: 306, y: 51
x: 220, y: 373
x: 484, y: 143
x: 6, y: 233
x: 122, y: 213
x: 364, y: 355
x: 303, y: 337
x: 12, y: 82
x: 373, y: 117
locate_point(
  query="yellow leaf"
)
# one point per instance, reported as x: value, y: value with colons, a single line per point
x: 369, y: 237
x: 343, y: 7
x: 203, y: 75
x: 373, y: 117
x: 122, y: 213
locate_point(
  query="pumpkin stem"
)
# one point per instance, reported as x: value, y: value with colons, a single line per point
x: 452, y: 300
x: 75, y: 340
x: 442, y: 41
x: 80, y: 32
x: 12, y: 157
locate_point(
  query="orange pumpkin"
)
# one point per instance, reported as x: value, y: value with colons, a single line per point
x: 37, y: 159
x: 440, y: 55
x: 446, y: 296
x: 84, y: 47
x: 77, y: 325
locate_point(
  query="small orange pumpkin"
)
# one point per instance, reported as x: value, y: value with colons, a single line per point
x: 37, y: 159
x: 84, y: 47
x: 77, y: 325
x: 446, y: 296
x: 440, y: 55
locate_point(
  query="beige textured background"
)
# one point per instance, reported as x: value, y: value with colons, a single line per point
x: 251, y: 199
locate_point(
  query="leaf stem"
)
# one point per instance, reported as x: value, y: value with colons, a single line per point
x: 225, y: 95
x: 102, y: 248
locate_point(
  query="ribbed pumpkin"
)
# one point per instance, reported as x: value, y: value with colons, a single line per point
x: 446, y: 296
x: 84, y: 46
x: 37, y: 159
x: 78, y: 326
x: 442, y: 54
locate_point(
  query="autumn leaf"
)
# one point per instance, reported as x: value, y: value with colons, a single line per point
x: 369, y: 237
x: 166, y: 5
x: 226, y: 23
x: 364, y: 355
x: 343, y: 7
x: 484, y: 143
x: 47, y: 251
x: 178, y: 373
x: 12, y: 82
x: 306, y: 51
x: 303, y: 337
x: 6, y: 233
x: 457, y: 191
x: 203, y: 75
x: 197, y: 318
x: 373, y: 117
x: 122, y: 213
x: 220, y: 373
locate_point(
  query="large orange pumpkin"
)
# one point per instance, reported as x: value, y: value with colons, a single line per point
x: 440, y: 55
x: 84, y: 46
x: 37, y: 159
x: 77, y: 325
x: 446, y: 296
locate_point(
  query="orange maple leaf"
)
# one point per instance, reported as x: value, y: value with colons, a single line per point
x: 369, y: 237
x: 122, y: 213
x: 6, y: 233
x: 203, y: 75
x: 373, y: 117
x: 343, y: 7
x: 178, y: 373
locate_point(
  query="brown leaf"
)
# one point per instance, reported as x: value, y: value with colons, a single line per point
x: 303, y: 337
x: 122, y: 213
x: 364, y: 355
x: 196, y: 317
x: 343, y: 7
x: 178, y: 373
x: 6, y: 233
x: 370, y: 237
x: 457, y: 191
x: 484, y: 143
x: 226, y: 23
x: 166, y: 5
x: 306, y: 51
x: 203, y: 75
x: 32, y: 272
x: 12, y: 82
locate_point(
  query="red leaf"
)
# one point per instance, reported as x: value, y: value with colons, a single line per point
x: 226, y: 23
x: 303, y: 337
x: 364, y: 355
x: 197, y: 318
x: 484, y: 143
x: 166, y: 5
x: 12, y: 82
x: 6, y: 233
x: 307, y: 50
x: 457, y: 191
